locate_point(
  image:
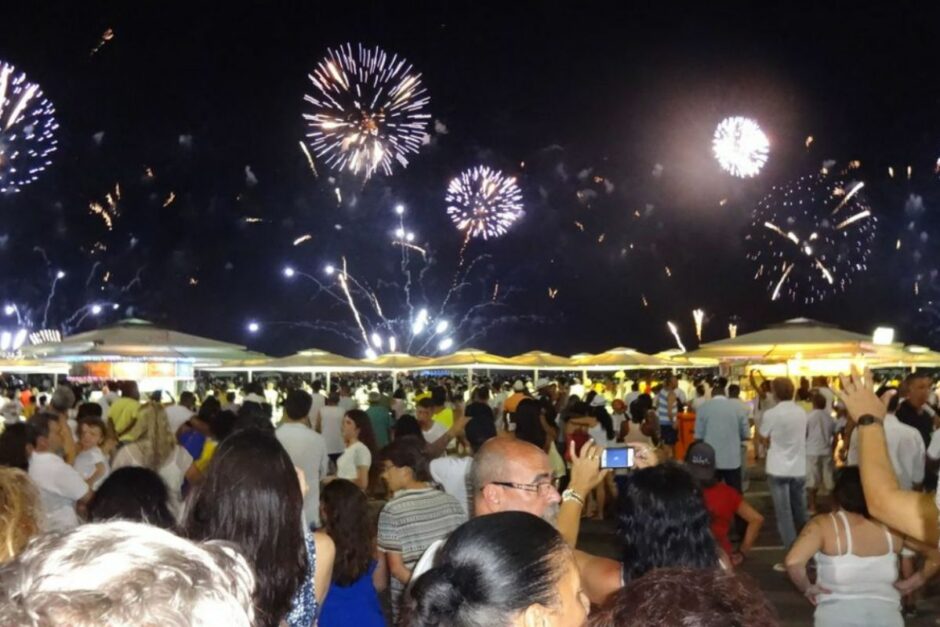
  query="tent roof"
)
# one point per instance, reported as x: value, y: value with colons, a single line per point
x: 315, y: 360
x: 617, y: 359
x: 897, y: 355
x: 395, y: 361
x: 800, y: 337
x: 541, y: 359
x: 139, y: 339
x: 471, y: 358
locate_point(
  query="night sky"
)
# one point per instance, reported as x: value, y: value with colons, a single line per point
x: 604, y: 112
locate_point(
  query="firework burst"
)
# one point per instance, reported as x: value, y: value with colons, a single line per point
x: 27, y: 130
x: 483, y: 202
x: 810, y: 238
x: 369, y: 110
x: 740, y: 146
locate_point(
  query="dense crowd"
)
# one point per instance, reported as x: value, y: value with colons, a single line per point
x: 424, y: 502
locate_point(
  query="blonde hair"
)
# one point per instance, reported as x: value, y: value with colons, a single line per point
x: 19, y: 512
x: 156, y: 441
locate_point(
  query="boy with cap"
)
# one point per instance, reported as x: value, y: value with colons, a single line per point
x: 722, y: 502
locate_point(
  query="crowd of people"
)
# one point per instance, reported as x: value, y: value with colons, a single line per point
x: 424, y: 502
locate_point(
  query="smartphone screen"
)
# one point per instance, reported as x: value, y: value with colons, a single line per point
x: 617, y: 457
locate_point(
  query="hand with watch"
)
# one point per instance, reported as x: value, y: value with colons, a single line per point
x: 861, y: 403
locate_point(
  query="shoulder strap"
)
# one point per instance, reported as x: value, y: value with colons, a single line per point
x: 890, y: 539
x: 848, y: 532
x: 835, y: 527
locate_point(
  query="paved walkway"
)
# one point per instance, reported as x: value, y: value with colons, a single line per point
x: 599, y: 538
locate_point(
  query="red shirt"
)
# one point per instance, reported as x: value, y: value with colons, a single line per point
x: 722, y: 501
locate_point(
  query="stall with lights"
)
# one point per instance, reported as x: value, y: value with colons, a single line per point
x: 134, y: 349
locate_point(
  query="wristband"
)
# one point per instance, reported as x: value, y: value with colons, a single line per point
x: 571, y: 495
x: 868, y: 419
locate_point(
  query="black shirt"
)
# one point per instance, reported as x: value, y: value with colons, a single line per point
x: 922, y: 421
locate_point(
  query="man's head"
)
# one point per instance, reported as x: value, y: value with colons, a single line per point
x: 438, y: 396
x: 404, y: 461
x: 45, y: 433
x: 317, y: 386
x: 297, y: 405
x: 375, y: 398
x: 671, y: 382
x: 782, y: 388
x: 63, y: 399
x: 734, y: 391
x: 819, y: 401
x: 230, y: 397
x: 481, y: 394
x: 188, y: 400
x: 721, y: 385
x: 917, y: 385
x: 130, y: 390
x: 511, y: 475
x: 424, y: 412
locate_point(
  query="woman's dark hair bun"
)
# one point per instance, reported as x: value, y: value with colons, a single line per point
x: 439, y: 594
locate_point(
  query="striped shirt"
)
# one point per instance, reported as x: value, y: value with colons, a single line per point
x: 662, y: 408
x: 411, y: 522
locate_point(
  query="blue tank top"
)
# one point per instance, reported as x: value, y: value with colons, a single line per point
x: 356, y: 604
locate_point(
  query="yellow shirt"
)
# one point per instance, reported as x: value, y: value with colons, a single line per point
x: 122, y: 413
x: 208, y: 450
x: 445, y: 417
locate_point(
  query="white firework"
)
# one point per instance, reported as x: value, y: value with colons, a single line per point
x: 369, y: 110
x: 483, y: 202
x: 740, y: 146
x: 27, y: 130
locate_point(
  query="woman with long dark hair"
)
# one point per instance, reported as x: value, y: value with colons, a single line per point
x: 359, y: 570
x: 662, y: 523
x: 356, y: 462
x: 252, y: 497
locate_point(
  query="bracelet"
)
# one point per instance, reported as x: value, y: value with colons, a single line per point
x: 571, y: 495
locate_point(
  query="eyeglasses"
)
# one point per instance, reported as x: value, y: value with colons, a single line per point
x: 544, y: 488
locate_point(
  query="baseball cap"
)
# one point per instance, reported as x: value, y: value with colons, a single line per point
x: 700, y: 461
x: 542, y: 383
x: 518, y: 386
x: 598, y: 401
x: 374, y: 397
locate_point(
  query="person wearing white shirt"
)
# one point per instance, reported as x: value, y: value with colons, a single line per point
x: 431, y: 429
x: 61, y: 487
x: 783, y: 428
x: 346, y: 400
x: 330, y: 425
x: 906, y: 452
x: 177, y: 415
x: 306, y: 448
x: 317, y: 402
x: 820, y: 428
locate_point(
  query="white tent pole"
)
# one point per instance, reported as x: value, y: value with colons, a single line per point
x: 535, y: 377
x: 470, y: 379
x: 328, y: 373
x: 249, y: 376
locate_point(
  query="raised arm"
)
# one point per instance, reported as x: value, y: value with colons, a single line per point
x: 914, y: 514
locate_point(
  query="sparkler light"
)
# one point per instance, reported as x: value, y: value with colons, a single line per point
x: 483, y: 202
x: 732, y: 330
x: 740, y: 146
x: 253, y: 327
x: 675, y: 333
x: 811, y: 237
x: 369, y: 110
x: 27, y: 130
x: 289, y: 272
x: 698, y: 315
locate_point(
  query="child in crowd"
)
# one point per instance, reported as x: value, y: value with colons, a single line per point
x: 91, y: 463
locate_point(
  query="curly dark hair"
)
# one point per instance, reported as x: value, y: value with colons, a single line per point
x: 687, y: 596
x: 347, y: 521
x: 664, y: 523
